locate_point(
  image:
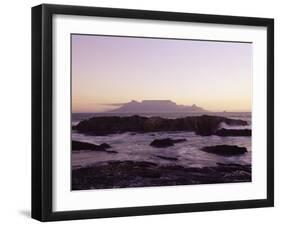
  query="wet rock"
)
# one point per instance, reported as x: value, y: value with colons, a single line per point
x: 225, y: 150
x: 160, y: 143
x: 234, y: 132
x: 204, y: 125
x: 121, y: 174
x: 78, y: 145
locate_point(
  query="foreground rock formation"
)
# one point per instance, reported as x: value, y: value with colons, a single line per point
x: 204, y: 125
x: 121, y: 174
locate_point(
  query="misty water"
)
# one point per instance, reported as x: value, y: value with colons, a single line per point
x: 136, y: 146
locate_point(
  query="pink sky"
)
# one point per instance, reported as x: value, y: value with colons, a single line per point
x: 214, y: 75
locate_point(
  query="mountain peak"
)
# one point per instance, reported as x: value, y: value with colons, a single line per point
x: 157, y: 101
x: 155, y: 106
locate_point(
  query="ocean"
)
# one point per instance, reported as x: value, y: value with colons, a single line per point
x: 135, y: 146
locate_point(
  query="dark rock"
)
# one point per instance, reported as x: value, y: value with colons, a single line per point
x: 203, y: 125
x: 225, y: 150
x: 167, y: 158
x: 229, y: 166
x: 122, y: 174
x: 207, y: 125
x: 234, y: 132
x: 159, y: 143
x: 78, y: 145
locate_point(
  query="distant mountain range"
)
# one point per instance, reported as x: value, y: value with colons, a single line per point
x: 156, y: 106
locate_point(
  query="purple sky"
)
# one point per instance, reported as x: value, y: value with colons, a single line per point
x: 214, y: 75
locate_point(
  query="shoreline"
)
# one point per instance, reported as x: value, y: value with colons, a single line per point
x: 204, y: 125
x: 115, y: 172
x: 128, y: 174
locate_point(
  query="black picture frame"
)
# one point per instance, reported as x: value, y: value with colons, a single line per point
x: 42, y: 106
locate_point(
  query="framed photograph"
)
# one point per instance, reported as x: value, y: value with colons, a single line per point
x: 145, y: 112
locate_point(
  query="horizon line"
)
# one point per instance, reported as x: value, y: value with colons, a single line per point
x: 120, y: 104
x: 206, y: 112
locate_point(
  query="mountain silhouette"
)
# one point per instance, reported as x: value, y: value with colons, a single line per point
x: 156, y: 106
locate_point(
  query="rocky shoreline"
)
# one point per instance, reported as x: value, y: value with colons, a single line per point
x: 119, y: 173
x: 125, y: 174
x: 204, y: 125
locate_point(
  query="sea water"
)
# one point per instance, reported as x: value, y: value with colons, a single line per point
x: 136, y: 146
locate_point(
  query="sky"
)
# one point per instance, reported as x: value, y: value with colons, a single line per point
x: 110, y: 70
